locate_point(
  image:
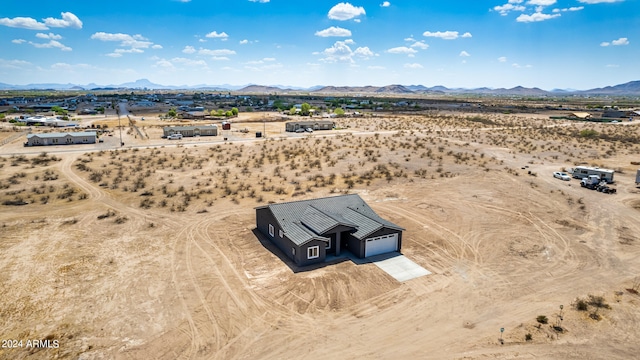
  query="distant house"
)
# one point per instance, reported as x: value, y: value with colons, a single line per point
x: 315, y: 125
x: 306, y: 231
x: 195, y: 115
x: 612, y: 113
x: 61, y: 139
x: 580, y: 115
x: 190, y: 131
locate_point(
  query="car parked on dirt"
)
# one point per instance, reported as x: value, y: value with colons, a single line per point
x: 561, y: 175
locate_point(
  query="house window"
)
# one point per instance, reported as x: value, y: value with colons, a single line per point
x: 271, y: 230
x: 293, y: 251
x: 280, y: 233
x: 313, y: 252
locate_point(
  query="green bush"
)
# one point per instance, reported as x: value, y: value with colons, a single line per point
x: 588, y: 133
x: 542, y: 319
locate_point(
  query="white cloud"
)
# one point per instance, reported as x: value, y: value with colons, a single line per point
x: 541, y: 2
x: 165, y: 64
x: 218, y: 52
x: 376, y: 67
x: 502, y: 59
x: 128, y: 51
x: 573, y: 8
x: 156, y: 46
x: 114, y: 55
x: 215, y: 35
x: 464, y: 54
x: 189, y: 62
x: 260, y: 1
x: 189, y: 50
x: 364, y: 52
x: 402, y: 50
x: 446, y: 35
x: 345, y: 11
x: 51, y: 36
x: 420, y: 45
x: 620, y: 42
x: 69, y: 20
x: 385, y: 4
x: 598, y: 1
x: 244, y: 42
x: 413, y: 66
x: 70, y: 67
x: 518, y: 66
x: 133, y: 41
x: 506, y: 8
x: 51, y: 44
x: 14, y: 64
x: 341, y: 52
x: 220, y: 58
x: 23, y: 23
x: 612, y: 66
x: 535, y: 17
x: 18, y: 41
x: 334, y: 31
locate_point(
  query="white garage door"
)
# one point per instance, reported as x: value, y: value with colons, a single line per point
x: 381, y: 245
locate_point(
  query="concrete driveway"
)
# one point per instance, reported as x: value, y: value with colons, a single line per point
x: 399, y: 266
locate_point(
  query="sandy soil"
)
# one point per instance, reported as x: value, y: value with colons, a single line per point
x: 150, y: 252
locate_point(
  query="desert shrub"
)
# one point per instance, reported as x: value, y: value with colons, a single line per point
x: 542, y: 319
x: 120, y: 220
x: 108, y: 214
x: 528, y: 337
x: 581, y: 305
x: 598, y: 301
x: 588, y: 133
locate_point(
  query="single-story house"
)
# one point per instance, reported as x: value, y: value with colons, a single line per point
x: 199, y: 115
x: 315, y: 125
x: 611, y: 113
x: 580, y: 115
x: 190, y: 131
x: 308, y: 230
x: 61, y: 138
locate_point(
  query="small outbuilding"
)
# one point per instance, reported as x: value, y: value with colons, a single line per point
x: 191, y: 131
x: 292, y: 126
x: 309, y: 230
x: 71, y: 138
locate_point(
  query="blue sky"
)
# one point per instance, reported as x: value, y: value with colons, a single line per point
x: 577, y: 44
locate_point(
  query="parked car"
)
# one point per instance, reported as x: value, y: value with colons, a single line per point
x: 561, y: 175
x: 174, y: 137
x: 309, y: 130
x: 301, y: 130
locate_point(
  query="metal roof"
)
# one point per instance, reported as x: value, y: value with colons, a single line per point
x: 59, y: 135
x: 305, y: 220
x: 183, y: 128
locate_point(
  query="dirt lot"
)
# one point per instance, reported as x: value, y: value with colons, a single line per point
x: 149, y: 252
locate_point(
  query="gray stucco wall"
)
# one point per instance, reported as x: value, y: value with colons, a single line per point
x: 264, y: 217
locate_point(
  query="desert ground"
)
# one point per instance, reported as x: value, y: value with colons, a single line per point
x: 148, y: 251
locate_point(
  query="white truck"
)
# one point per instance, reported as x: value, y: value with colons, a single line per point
x: 174, y: 137
x: 593, y: 182
x: 581, y: 172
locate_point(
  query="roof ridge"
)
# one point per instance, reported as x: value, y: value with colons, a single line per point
x: 310, y: 200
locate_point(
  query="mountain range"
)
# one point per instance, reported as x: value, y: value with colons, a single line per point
x: 631, y: 88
